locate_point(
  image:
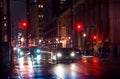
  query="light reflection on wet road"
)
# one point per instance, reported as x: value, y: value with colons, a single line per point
x: 93, y: 68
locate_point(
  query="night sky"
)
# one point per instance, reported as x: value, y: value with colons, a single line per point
x: 18, y: 10
x: 18, y: 14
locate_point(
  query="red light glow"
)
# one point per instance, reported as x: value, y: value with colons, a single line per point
x: 23, y: 25
x: 94, y: 37
x: 78, y: 27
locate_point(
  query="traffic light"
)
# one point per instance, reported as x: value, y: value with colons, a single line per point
x: 94, y: 37
x: 78, y: 27
x: 23, y: 25
x: 37, y: 50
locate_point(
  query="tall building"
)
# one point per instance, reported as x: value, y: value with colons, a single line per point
x: 59, y: 6
x: 43, y: 15
x: 36, y: 16
x: 54, y: 8
x: 99, y: 18
x: 5, y: 45
x: 1, y: 21
x: 93, y: 17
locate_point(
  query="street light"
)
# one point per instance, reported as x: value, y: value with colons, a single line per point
x: 84, y: 41
x: 93, y: 41
x: 84, y: 34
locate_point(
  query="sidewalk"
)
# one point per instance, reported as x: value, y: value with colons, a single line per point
x: 114, y: 60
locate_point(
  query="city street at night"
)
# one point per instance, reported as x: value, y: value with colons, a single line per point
x: 86, y: 68
x: 59, y: 39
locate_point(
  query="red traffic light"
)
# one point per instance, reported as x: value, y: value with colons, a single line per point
x: 23, y: 25
x: 79, y: 27
x: 94, y: 37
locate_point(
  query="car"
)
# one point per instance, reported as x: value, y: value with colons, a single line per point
x: 40, y: 54
x: 65, y: 54
x: 24, y: 52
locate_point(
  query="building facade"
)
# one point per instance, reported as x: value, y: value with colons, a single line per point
x: 97, y: 18
x: 53, y: 9
x: 93, y: 15
x: 36, y: 20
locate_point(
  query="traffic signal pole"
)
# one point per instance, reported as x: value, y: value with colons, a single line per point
x: 27, y: 14
x: 9, y: 52
x: 72, y: 25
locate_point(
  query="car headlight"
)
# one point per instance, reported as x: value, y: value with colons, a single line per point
x: 59, y: 54
x: 72, y: 54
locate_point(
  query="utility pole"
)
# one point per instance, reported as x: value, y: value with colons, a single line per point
x: 72, y: 24
x: 27, y: 14
x: 9, y: 36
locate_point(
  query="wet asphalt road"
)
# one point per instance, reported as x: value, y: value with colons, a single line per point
x: 86, y: 68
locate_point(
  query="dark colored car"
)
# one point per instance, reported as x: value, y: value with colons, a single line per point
x: 40, y: 54
x: 66, y: 54
x: 24, y: 52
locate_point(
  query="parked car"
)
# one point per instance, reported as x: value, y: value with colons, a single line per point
x: 65, y: 54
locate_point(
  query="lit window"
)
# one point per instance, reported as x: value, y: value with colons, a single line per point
x: 5, y: 24
x: 40, y: 16
x: 40, y: 6
x: 4, y: 18
x: 61, y: 2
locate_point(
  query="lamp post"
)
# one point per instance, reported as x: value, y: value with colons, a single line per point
x: 27, y: 24
x: 93, y: 41
x: 84, y: 41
